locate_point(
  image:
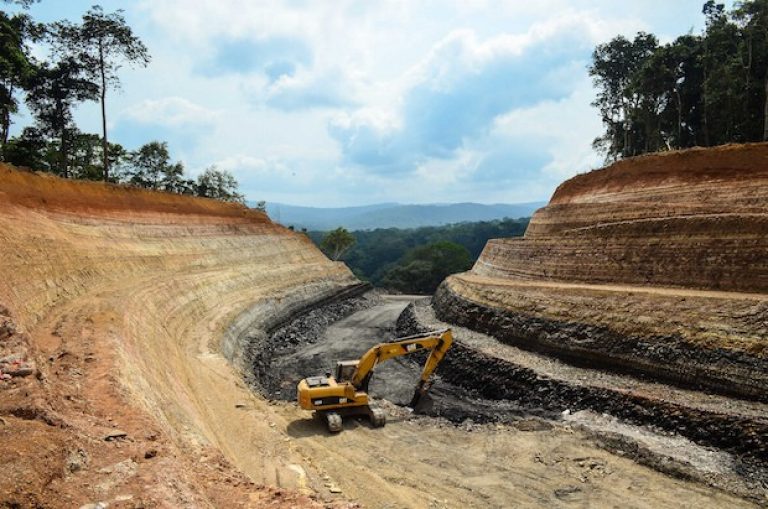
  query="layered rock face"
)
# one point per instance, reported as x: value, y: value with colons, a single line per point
x: 694, y: 219
x: 656, y: 265
x: 137, y: 297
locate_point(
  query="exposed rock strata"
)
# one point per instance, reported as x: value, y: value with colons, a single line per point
x: 656, y: 266
x: 495, y: 377
x: 664, y: 356
x: 124, y: 297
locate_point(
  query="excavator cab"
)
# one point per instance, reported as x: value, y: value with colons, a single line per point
x: 345, y: 370
x: 347, y: 393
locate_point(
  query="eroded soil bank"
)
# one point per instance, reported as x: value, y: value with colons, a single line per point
x: 476, y: 386
x: 617, y: 341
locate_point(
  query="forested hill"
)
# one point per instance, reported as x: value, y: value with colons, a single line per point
x: 394, y: 215
x: 415, y: 260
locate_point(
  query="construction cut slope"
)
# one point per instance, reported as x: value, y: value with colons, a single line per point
x: 656, y: 266
x: 118, y: 311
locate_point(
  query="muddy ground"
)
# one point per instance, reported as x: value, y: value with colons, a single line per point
x: 488, y: 450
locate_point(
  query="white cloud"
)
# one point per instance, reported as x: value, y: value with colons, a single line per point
x: 453, y: 96
x: 329, y: 103
x: 332, y: 89
x: 242, y: 164
x: 170, y: 112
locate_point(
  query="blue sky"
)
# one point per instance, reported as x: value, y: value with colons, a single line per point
x: 334, y: 103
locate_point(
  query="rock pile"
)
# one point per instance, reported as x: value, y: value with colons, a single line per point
x: 14, y: 356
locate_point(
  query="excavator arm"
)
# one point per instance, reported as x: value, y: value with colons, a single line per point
x: 437, y: 343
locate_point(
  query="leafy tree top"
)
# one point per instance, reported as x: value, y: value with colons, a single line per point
x: 338, y: 242
x: 103, y: 40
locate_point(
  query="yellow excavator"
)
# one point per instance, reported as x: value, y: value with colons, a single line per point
x: 346, y: 394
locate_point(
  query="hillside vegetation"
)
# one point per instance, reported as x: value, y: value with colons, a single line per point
x: 380, y: 256
x: 702, y: 89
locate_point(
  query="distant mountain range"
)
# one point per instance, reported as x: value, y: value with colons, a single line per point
x: 394, y: 215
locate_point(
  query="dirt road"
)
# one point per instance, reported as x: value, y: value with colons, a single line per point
x: 418, y: 461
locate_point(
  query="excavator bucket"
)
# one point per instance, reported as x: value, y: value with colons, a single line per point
x: 421, y: 401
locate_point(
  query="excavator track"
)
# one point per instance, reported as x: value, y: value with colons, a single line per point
x: 378, y: 417
x: 334, y: 422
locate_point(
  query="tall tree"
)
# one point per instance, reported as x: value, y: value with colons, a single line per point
x: 706, y: 89
x: 103, y: 42
x: 16, y: 64
x: 86, y: 156
x: 151, y: 167
x: 53, y: 91
x: 613, y: 68
x: 30, y: 149
x: 752, y: 16
x: 724, y: 83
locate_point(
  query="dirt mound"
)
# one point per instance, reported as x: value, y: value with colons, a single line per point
x: 694, y: 219
x: 121, y: 315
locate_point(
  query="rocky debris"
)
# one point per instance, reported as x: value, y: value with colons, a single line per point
x: 7, y: 327
x: 115, y: 434
x: 498, y: 379
x: 95, y: 505
x: 76, y: 461
x: 14, y: 360
x: 14, y: 356
x: 664, y: 358
x: 117, y: 474
x: 305, y: 328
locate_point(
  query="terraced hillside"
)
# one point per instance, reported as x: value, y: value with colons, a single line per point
x: 656, y: 266
x: 128, y: 320
x: 113, y: 306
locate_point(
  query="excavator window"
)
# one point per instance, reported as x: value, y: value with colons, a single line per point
x: 345, y: 370
x: 317, y: 381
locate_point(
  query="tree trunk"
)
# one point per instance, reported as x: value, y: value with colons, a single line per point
x: 748, y: 80
x: 105, y: 143
x: 625, y: 124
x: 63, y: 155
x: 679, y: 118
x: 6, y: 121
x: 706, y: 107
x: 765, y: 112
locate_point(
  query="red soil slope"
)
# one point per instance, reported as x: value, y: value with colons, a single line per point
x: 114, y: 307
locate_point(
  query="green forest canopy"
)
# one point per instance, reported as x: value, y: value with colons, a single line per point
x: 699, y: 90
x: 377, y: 253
